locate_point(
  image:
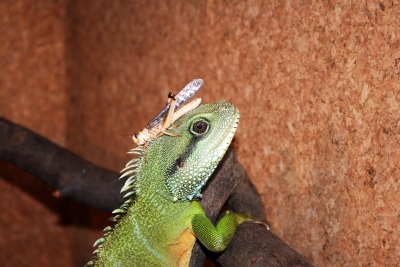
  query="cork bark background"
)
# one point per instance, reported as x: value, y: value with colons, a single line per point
x: 317, y: 84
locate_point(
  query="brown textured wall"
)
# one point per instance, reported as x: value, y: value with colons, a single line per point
x: 32, y: 93
x: 317, y: 84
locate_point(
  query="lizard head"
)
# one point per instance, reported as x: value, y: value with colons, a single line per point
x: 195, y: 145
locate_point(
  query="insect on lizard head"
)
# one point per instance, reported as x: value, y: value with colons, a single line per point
x: 205, y: 134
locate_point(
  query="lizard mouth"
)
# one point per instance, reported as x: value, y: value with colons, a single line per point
x: 217, y: 150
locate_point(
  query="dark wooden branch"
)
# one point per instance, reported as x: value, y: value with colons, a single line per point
x: 84, y: 182
x: 62, y: 170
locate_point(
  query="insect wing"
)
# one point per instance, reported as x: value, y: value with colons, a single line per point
x: 158, y: 119
x: 187, y: 92
x: 181, y: 99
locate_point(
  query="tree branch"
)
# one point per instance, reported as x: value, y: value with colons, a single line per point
x: 84, y: 182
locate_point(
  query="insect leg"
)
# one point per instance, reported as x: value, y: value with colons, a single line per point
x: 168, y: 117
x: 185, y: 109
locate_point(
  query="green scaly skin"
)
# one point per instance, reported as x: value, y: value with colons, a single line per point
x: 159, y: 224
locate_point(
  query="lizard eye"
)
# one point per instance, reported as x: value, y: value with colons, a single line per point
x: 200, y: 127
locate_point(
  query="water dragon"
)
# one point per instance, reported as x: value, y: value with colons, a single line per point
x: 160, y: 221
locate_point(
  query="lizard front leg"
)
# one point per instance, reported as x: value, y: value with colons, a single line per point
x: 217, y: 238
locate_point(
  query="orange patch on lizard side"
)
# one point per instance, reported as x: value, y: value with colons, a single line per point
x: 181, y: 249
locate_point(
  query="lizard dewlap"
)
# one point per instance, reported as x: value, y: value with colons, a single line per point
x: 160, y: 221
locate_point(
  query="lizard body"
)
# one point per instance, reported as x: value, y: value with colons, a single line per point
x: 160, y: 223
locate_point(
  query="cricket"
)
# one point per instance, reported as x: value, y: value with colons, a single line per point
x: 175, y: 108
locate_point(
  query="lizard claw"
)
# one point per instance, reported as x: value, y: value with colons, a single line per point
x: 251, y: 218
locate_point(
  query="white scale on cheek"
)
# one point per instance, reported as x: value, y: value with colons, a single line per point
x: 220, y: 153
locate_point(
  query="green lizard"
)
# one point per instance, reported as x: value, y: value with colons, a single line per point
x: 160, y: 222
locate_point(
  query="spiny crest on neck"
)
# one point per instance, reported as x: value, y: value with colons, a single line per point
x: 130, y: 171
